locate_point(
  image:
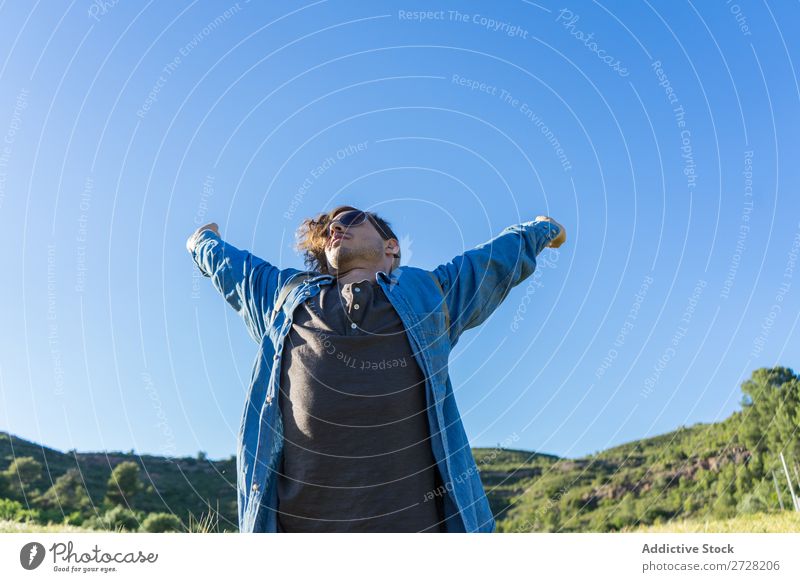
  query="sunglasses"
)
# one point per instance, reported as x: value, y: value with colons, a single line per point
x: 356, y: 217
x: 352, y: 218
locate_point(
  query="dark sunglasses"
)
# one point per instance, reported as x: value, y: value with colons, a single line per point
x: 351, y: 218
x: 356, y: 217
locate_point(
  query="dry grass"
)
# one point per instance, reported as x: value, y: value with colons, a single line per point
x: 31, y: 527
x: 781, y: 522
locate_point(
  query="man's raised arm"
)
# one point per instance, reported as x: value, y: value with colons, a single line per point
x: 477, y: 281
x: 247, y: 283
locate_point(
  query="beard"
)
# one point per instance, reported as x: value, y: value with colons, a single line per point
x: 345, y: 255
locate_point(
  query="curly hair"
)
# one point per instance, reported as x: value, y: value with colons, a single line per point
x: 313, y: 233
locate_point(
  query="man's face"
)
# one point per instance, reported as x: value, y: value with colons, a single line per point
x: 360, y: 245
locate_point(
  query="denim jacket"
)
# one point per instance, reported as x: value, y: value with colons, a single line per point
x: 436, y: 307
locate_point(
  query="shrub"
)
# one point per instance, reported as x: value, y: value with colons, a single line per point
x: 116, y: 518
x: 161, y: 522
x: 752, y: 503
x: 14, y: 511
x: 75, y: 518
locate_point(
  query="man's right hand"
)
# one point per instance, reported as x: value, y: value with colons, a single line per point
x: 190, y: 242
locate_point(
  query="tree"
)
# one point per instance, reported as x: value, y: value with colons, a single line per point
x: 692, y: 504
x: 763, y: 381
x: 725, y: 503
x: 67, y: 494
x: 625, y: 513
x: 745, y: 480
x: 21, y: 475
x: 770, y: 410
x: 551, y: 519
x: 124, y: 484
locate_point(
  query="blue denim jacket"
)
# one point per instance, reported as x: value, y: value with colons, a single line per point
x: 435, y: 306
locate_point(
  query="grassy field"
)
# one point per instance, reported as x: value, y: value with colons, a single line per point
x: 207, y: 524
x: 785, y: 522
x: 17, y: 527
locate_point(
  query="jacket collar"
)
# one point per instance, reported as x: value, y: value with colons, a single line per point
x: 381, y: 275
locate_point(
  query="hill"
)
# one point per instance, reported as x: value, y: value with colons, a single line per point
x: 703, y: 473
x: 184, y: 486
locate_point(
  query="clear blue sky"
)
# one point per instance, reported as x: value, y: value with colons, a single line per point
x: 653, y: 131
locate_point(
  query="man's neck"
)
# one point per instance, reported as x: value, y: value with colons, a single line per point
x: 357, y: 274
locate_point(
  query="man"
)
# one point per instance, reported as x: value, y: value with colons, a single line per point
x: 351, y: 422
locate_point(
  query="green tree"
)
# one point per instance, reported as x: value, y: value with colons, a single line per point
x: 770, y: 410
x: 725, y: 503
x: 692, y: 504
x: 745, y: 481
x: 68, y: 494
x: 625, y: 513
x: 124, y: 484
x: 21, y: 476
x: 551, y: 519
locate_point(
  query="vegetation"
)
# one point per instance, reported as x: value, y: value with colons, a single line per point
x: 780, y: 522
x: 707, y: 472
x: 725, y: 476
x: 42, y: 489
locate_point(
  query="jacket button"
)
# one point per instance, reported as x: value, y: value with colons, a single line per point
x: 269, y: 399
x: 255, y: 486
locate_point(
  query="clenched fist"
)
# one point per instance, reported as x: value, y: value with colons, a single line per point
x: 190, y: 242
x: 562, y: 236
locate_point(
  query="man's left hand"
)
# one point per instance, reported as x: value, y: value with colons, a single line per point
x: 562, y: 236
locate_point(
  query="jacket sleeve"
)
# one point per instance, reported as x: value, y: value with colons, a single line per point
x: 476, y: 282
x: 249, y: 284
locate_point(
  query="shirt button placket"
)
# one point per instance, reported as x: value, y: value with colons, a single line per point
x: 356, y: 306
x: 347, y: 295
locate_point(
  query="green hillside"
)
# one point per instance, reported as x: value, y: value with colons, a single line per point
x: 702, y: 474
x: 188, y: 487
